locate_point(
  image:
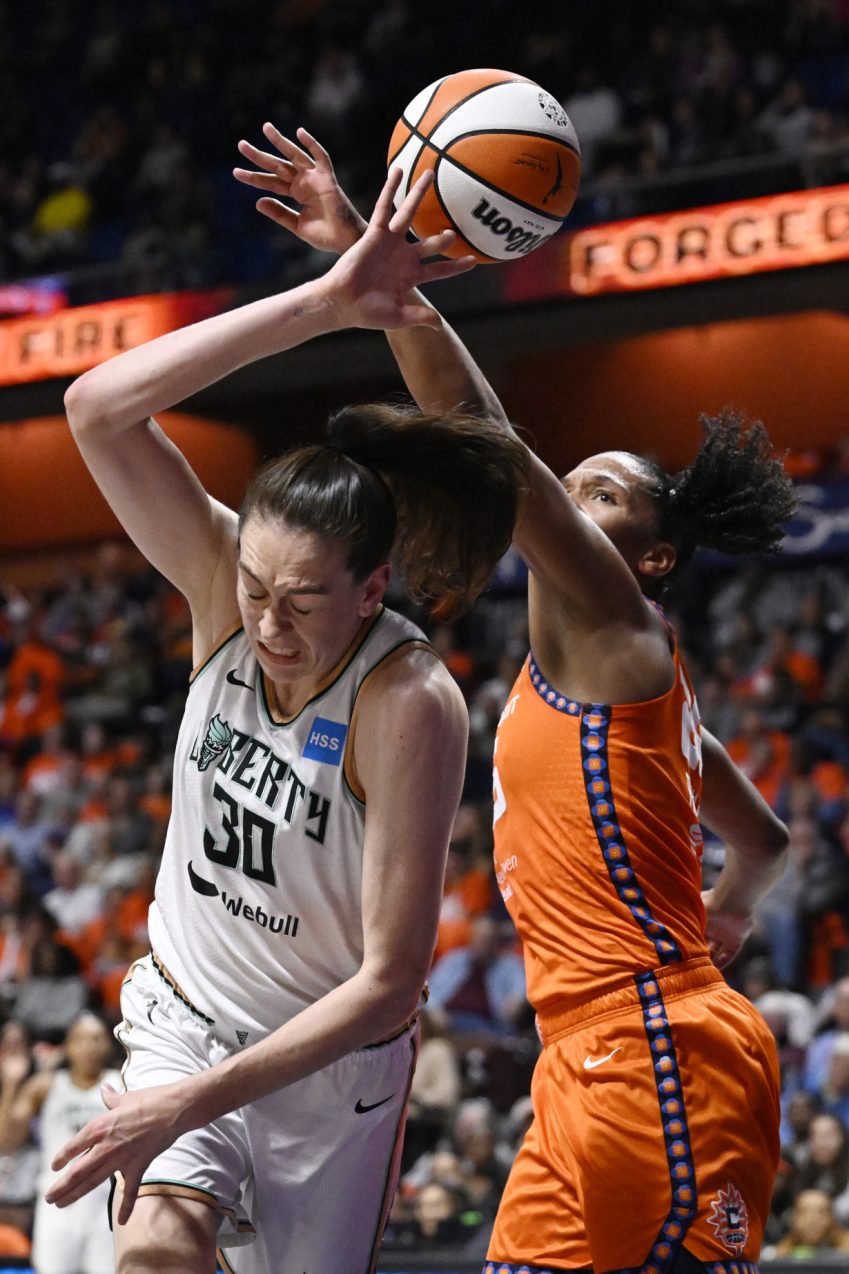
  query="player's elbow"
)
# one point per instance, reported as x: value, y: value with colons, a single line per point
x: 395, y: 992
x: 775, y: 838
x: 85, y: 406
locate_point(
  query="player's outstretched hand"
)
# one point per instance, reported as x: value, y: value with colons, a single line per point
x: 726, y: 931
x: 371, y: 283
x: 326, y: 219
x: 134, y: 1129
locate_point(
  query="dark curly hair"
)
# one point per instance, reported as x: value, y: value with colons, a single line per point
x: 734, y: 496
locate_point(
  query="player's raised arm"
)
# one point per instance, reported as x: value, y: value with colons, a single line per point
x: 147, y: 482
x: 560, y: 545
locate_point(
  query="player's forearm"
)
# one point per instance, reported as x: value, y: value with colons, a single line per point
x: 755, y: 838
x: 746, y: 877
x: 439, y: 371
x: 154, y: 376
x: 361, y: 1011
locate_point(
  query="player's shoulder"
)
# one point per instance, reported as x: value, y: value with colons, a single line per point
x: 415, y: 682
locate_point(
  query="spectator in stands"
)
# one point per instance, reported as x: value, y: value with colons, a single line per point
x: 79, y: 1237
x: 467, y: 890
x: 479, y: 989
x: 484, y: 1158
x: 52, y: 993
x: 823, y: 900
x: 71, y: 902
x: 434, y: 1222
x: 813, y: 1228
x: 788, y: 121
x: 595, y: 110
x: 32, y: 703
x: 835, y: 1090
x: 836, y: 1024
x: 26, y: 836
x: 822, y: 1162
x: 18, y: 1166
x: 435, y: 1091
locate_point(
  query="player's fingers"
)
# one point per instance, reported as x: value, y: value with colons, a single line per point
x: 82, y: 1141
x: 129, y: 1194
x: 447, y: 269
x: 434, y: 244
x: 77, y: 1181
x: 403, y: 218
x: 319, y: 154
x: 297, y: 157
x: 262, y: 181
x: 383, y: 208
x: 263, y: 159
x: 279, y: 213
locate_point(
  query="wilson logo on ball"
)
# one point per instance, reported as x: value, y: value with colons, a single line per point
x: 516, y: 239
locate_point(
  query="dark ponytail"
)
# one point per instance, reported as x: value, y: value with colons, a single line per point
x: 733, y: 497
x: 439, y: 494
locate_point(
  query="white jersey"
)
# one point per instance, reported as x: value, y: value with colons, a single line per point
x: 66, y: 1110
x: 258, y: 910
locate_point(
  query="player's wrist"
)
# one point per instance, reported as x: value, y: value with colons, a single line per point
x: 350, y: 226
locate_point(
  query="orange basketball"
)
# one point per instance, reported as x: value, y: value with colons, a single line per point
x: 505, y: 158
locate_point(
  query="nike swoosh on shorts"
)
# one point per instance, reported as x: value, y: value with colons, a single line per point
x: 590, y: 1063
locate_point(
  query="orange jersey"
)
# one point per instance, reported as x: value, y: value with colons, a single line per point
x: 597, y: 842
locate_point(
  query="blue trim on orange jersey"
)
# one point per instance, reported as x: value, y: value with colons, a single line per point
x: 551, y: 696
x: 676, y: 1132
x: 506, y: 1267
x: 710, y: 1267
x: 595, y: 720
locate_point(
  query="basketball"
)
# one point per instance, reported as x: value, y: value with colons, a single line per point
x: 505, y: 158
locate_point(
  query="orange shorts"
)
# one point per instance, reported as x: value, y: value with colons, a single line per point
x: 656, y: 1111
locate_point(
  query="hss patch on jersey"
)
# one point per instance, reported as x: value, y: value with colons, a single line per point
x: 325, y: 741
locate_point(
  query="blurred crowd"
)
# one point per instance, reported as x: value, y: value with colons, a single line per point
x: 93, y: 670
x: 118, y: 124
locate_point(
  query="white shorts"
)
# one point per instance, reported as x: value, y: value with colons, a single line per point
x: 305, y: 1175
x: 76, y: 1239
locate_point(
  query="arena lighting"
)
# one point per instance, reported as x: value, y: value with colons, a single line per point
x: 72, y: 340
x: 777, y: 232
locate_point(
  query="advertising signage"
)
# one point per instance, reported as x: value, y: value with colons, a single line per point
x: 72, y: 340
x: 778, y: 232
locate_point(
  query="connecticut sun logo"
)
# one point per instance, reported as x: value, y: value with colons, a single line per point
x: 730, y: 1218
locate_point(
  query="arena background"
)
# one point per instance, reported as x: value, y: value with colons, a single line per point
x: 706, y: 263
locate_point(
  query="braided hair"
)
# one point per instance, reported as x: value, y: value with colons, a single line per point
x: 733, y: 497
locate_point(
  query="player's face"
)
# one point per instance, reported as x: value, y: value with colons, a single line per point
x: 611, y: 489
x: 300, y: 604
x: 87, y: 1046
